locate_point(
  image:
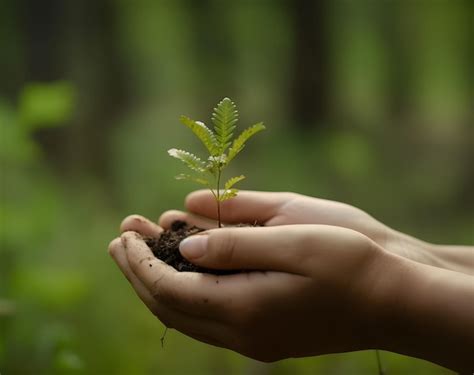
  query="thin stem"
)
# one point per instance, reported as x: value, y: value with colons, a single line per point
x: 218, y: 198
x: 379, y: 362
x: 162, y: 339
x: 212, y: 192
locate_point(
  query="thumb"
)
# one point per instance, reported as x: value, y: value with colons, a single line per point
x: 256, y: 248
x: 247, y: 206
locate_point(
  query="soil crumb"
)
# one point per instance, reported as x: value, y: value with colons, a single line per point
x: 166, y: 248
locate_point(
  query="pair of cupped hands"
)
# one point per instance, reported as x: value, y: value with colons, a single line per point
x: 314, y: 281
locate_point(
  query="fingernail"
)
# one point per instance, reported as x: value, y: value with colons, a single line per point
x: 193, y: 247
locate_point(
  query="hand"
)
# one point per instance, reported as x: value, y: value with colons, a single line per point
x: 270, y: 208
x: 297, y: 305
x: 289, y: 310
x: 275, y: 208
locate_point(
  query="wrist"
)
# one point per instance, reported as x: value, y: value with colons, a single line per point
x: 424, y: 312
x: 376, y: 296
x: 411, y: 248
x: 454, y: 258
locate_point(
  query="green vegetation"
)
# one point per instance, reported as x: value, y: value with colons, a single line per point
x: 224, y: 118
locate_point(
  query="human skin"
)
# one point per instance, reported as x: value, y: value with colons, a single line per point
x: 277, y: 208
x: 312, y: 288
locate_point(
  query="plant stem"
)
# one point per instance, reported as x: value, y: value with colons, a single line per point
x: 218, y: 198
x: 162, y: 339
x: 379, y: 363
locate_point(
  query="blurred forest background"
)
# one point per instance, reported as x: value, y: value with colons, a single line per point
x: 366, y: 102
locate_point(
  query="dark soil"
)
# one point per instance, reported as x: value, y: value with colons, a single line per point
x: 166, y: 248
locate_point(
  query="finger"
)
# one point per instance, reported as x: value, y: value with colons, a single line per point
x: 205, y: 329
x: 247, y: 207
x: 168, y: 217
x: 184, y: 291
x: 117, y: 252
x: 280, y: 248
x: 140, y: 224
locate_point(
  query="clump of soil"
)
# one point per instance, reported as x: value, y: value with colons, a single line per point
x: 166, y: 248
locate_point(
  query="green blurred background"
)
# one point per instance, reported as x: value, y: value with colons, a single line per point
x: 366, y: 102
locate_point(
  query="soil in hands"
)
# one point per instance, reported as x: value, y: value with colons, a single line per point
x: 166, y: 248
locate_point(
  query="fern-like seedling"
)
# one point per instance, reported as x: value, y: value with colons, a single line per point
x: 222, y: 149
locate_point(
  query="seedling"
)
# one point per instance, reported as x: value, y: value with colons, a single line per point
x: 222, y: 150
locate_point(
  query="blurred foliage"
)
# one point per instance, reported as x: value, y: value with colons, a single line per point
x: 366, y: 102
x: 43, y: 105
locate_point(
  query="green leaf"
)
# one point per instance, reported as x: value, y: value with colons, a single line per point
x: 224, y: 117
x: 239, y: 142
x: 216, y: 163
x: 192, y: 161
x: 228, y: 194
x: 232, y: 181
x: 187, y: 177
x: 205, y: 134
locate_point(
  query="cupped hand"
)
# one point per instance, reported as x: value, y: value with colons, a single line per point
x: 282, y: 208
x: 275, y: 208
x: 308, y: 289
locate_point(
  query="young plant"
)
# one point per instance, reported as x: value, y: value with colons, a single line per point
x: 222, y: 150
